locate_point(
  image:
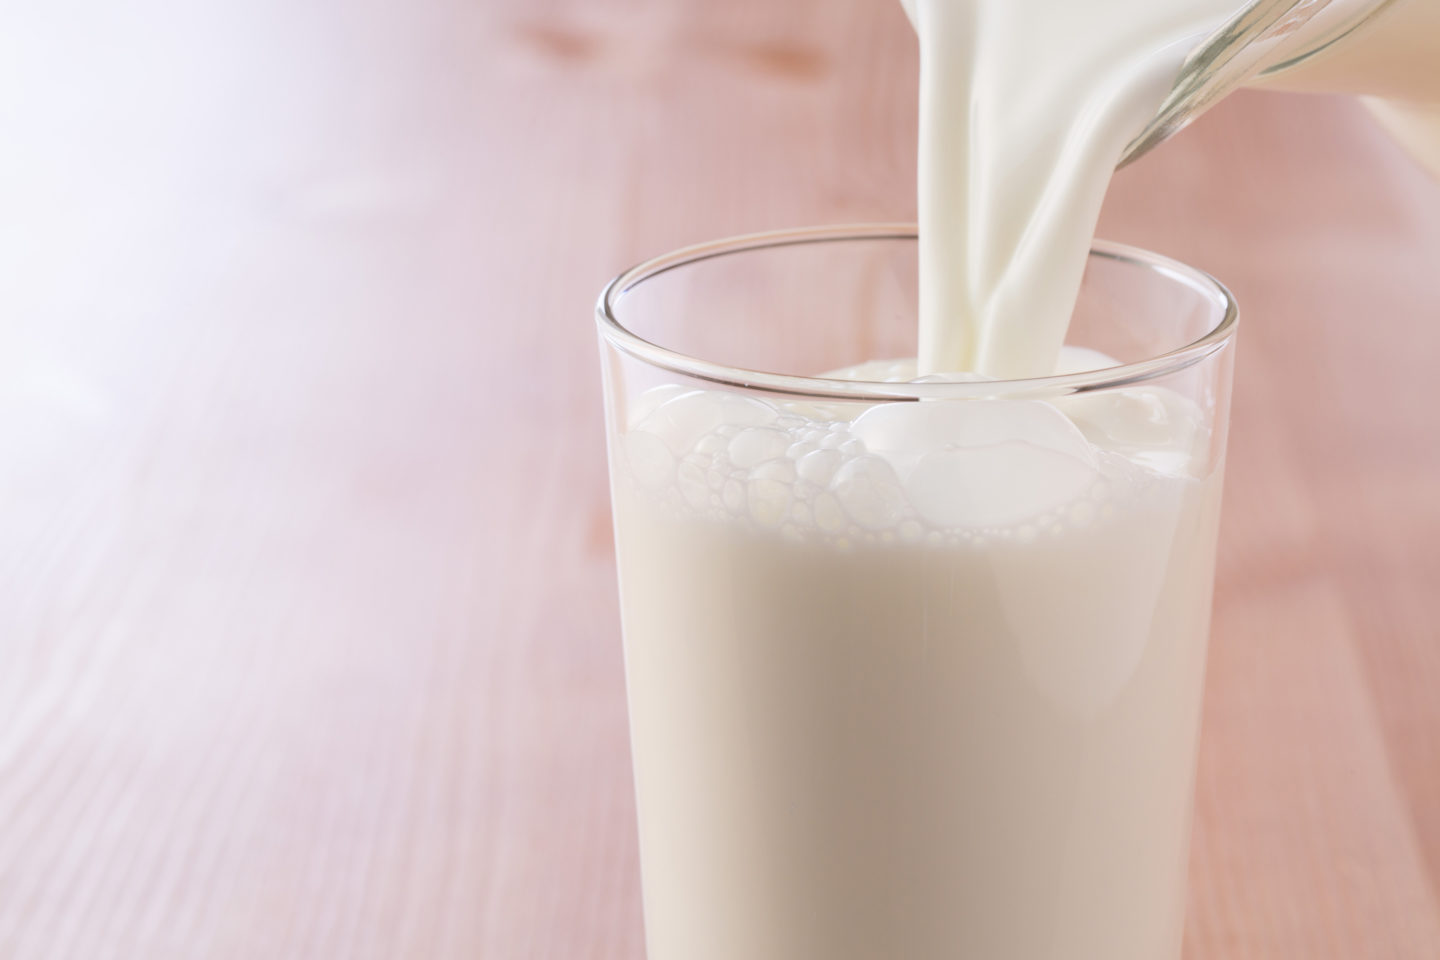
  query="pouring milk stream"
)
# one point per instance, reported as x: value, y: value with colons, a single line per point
x: 1025, y: 108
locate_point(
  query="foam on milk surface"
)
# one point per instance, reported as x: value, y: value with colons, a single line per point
x: 960, y: 470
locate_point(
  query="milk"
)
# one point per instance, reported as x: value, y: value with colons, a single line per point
x: 1027, y: 105
x: 913, y: 680
x: 1025, y: 109
x: 921, y: 680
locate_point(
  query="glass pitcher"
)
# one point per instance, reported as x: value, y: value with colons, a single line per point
x: 1385, y: 50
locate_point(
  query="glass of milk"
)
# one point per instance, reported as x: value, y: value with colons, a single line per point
x: 914, y: 665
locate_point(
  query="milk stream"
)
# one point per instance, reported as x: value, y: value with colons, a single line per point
x: 1025, y: 108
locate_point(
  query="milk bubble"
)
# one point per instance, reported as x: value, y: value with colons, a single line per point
x: 800, y: 448
x: 757, y: 444
x: 769, y: 501
x: 869, y: 492
x: 682, y: 420
x: 711, y: 443
x: 780, y: 469
x: 819, y: 466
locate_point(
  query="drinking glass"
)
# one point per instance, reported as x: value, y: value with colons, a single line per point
x: 913, y: 667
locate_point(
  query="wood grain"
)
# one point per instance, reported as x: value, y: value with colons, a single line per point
x: 308, y: 639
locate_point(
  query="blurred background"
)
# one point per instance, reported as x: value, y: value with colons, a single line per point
x: 308, y: 633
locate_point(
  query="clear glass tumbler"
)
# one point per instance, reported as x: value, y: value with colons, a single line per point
x: 914, y: 667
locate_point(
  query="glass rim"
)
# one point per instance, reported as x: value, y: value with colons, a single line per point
x: 622, y: 338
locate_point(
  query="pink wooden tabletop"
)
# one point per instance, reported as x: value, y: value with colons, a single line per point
x: 308, y: 633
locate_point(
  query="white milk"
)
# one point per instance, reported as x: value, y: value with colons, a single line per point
x: 1025, y: 108
x: 920, y: 681
x: 923, y: 685
x: 1027, y: 105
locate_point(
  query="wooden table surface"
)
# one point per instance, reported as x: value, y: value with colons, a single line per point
x: 308, y: 631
